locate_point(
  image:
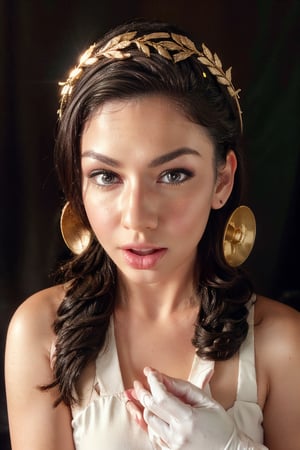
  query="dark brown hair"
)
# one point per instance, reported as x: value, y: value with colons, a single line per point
x: 83, y: 316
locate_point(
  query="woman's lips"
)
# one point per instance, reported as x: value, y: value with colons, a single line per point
x: 143, y: 258
x: 142, y: 252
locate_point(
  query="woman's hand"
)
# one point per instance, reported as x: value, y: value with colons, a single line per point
x: 180, y: 416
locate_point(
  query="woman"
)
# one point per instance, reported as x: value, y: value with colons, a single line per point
x: 154, y: 326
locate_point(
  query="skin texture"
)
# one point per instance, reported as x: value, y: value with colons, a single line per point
x: 136, y: 200
x: 135, y: 203
x: 34, y: 423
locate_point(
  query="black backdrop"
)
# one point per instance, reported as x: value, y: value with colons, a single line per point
x: 40, y: 41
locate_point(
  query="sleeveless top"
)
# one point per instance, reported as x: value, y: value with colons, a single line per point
x: 104, y: 422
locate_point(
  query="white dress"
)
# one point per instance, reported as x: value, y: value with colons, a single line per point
x: 105, y: 424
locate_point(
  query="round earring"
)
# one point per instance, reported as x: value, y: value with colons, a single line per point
x: 75, y: 235
x: 239, y: 236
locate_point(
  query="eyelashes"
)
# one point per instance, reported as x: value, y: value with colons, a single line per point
x: 107, y: 178
x: 175, y: 176
x: 104, y: 178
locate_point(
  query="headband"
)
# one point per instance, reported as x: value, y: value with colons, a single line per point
x: 171, y: 46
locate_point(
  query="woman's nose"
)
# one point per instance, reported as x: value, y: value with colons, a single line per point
x: 139, y: 208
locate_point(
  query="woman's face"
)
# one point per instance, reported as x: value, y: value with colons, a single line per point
x: 149, y: 182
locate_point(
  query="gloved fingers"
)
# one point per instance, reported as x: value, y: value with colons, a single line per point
x: 161, y: 403
x: 170, y: 382
x: 134, y: 408
x: 177, y: 387
x: 158, y: 429
x: 156, y: 442
x: 175, y: 435
x: 183, y: 390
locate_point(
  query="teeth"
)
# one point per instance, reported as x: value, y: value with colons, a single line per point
x: 142, y: 252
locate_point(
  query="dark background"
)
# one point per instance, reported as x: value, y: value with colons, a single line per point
x: 41, y: 40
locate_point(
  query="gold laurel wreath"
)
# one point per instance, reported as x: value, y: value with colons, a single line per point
x: 163, y: 43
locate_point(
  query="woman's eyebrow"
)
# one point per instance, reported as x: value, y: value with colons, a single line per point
x: 154, y: 163
x: 100, y: 157
x: 173, y: 155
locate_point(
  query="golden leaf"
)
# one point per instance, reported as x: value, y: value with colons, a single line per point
x: 228, y: 73
x: 189, y: 44
x: 115, y: 54
x: 150, y: 36
x: 75, y: 72
x: 223, y: 81
x: 177, y: 38
x: 65, y: 89
x: 170, y: 45
x: 185, y: 41
x: 181, y: 56
x: 143, y: 47
x: 126, y: 55
x: 214, y: 70
x: 114, y: 41
x: 86, y: 55
x: 121, y: 45
x: 217, y: 61
x: 204, y: 60
x: 90, y: 61
x: 163, y: 51
x: 128, y: 36
x: 207, y: 52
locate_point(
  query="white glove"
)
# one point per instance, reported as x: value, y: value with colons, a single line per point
x: 181, y: 416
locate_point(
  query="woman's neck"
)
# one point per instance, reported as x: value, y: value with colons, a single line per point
x: 156, y: 301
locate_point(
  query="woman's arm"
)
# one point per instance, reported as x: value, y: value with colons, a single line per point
x: 278, y: 352
x: 33, y: 421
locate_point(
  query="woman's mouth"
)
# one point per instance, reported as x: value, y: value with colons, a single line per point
x: 142, y: 252
x: 143, y: 258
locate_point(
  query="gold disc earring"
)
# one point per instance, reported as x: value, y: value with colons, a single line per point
x: 239, y: 236
x: 75, y: 235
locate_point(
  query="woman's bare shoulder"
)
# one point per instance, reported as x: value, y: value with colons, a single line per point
x: 277, y: 354
x: 269, y: 312
x: 36, y: 314
x: 29, y: 343
x: 277, y: 331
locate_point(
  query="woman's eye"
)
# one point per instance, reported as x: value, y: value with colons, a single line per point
x: 104, y: 178
x: 175, y: 176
